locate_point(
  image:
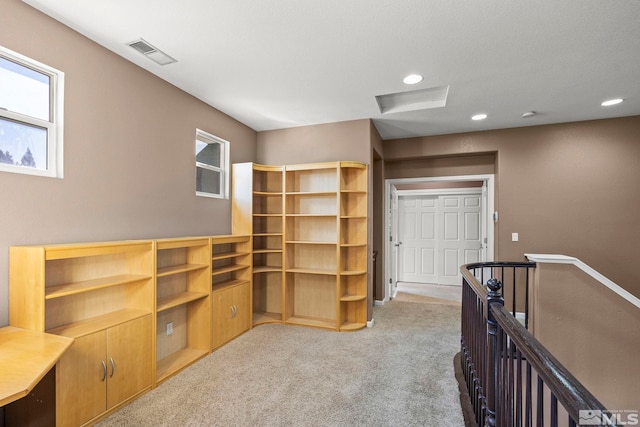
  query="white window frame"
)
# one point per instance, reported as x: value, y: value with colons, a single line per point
x: 202, y: 136
x: 54, y: 126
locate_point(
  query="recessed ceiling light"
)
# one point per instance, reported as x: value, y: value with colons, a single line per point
x: 412, y: 79
x: 610, y: 102
x: 479, y: 117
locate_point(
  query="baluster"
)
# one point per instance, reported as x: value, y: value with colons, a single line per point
x: 493, y: 353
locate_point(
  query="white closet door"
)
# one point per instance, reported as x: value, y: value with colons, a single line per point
x: 418, y: 239
x: 459, y: 236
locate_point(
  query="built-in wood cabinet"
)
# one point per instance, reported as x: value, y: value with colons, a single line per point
x: 231, y: 264
x: 103, y: 369
x: 102, y: 296
x: 309, y: 225
x: 183, y: 303
x: 232, y: 312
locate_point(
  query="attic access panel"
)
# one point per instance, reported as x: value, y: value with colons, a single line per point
x: 422, y: 99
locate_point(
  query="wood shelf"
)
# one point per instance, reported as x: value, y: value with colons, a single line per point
x: 98, y: 323
x: 267, y: 251
x: 177, y: 361
x: 310, y: 215
x: 268, y: 193
x: 266, y: 234
x: 350, y: 298
x: 177, y: 269
x: 321, y: 271
x: 352, y: 326
x: 260, y: 318
x: 228, y: 283
x: 352, y: 272
x: 228, y: 255
x: 83, y: 250
x: 267, y: 269
x: 314, y: 322
x: 179, y: 299
x: 352, y: 245
x: 311, y: 193
x: 228, y: 269
x: 309, y: 242
x: 68, y: 289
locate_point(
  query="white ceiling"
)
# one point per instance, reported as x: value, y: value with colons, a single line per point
x: 284, y: 63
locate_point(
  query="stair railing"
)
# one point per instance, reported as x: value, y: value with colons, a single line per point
x: 512, y: 379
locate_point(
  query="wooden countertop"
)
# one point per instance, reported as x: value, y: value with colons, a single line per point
x: 25, y: 358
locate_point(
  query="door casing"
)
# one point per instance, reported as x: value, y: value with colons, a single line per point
x: 390, y: 239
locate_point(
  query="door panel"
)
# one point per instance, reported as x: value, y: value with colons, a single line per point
x: 461, y: 238
x: 418, y: 238
x: 82, y: 387
x: 129, y: 346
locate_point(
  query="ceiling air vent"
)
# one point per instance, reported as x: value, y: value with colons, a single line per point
x: 151, y: 52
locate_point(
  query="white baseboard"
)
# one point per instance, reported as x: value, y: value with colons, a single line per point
x: 378, y: 302
x: 370, y: 323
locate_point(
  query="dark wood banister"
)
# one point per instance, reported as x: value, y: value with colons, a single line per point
x: 567, y: 389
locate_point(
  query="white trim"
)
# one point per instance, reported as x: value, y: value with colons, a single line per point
x: 54, y: 126
x: 224, y: 169
x: 564, y: 259
x: 440, y: 191
x: 489, y: 179
x: 370, y: 323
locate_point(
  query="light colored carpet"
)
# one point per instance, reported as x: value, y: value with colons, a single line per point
x: 409, y: 297
x: 397, y: 373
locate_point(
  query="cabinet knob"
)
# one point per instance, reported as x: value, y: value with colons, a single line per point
x: 104, y: 371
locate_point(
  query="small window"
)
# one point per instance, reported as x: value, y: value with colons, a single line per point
x: 212, y: 165
x: 31, y: 105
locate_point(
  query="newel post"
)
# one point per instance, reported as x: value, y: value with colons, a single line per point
x: 494, y: 296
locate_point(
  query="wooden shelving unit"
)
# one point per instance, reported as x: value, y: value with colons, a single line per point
x: 102, y: 295
x: 311, y: 236
x: 231, y: 272
x: 258, y: 210
x: 352, y: 289
x: 183, y: 269
x: 309, y: 226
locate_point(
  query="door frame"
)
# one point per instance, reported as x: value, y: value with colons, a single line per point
x: 489, y: 214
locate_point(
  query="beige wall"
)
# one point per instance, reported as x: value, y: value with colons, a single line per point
x: 565, y: 304
x: 128, y: 150
x: 351, y: 140
x: 568, y: 188
x: 318, y: 143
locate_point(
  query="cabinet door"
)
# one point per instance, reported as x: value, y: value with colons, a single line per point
x: 82, y: 380
x: 128, y: 359
x: 242, y: 320
x: 222, y: 316
x: 231, y: 313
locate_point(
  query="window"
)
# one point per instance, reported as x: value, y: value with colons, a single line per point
x: 212, y: 165
x: 31, y: 104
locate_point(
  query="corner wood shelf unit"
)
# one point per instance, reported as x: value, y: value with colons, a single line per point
x: 231, y: 287
x: 258, y: 210
x: 309, y: 226
x: 183, y: 301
